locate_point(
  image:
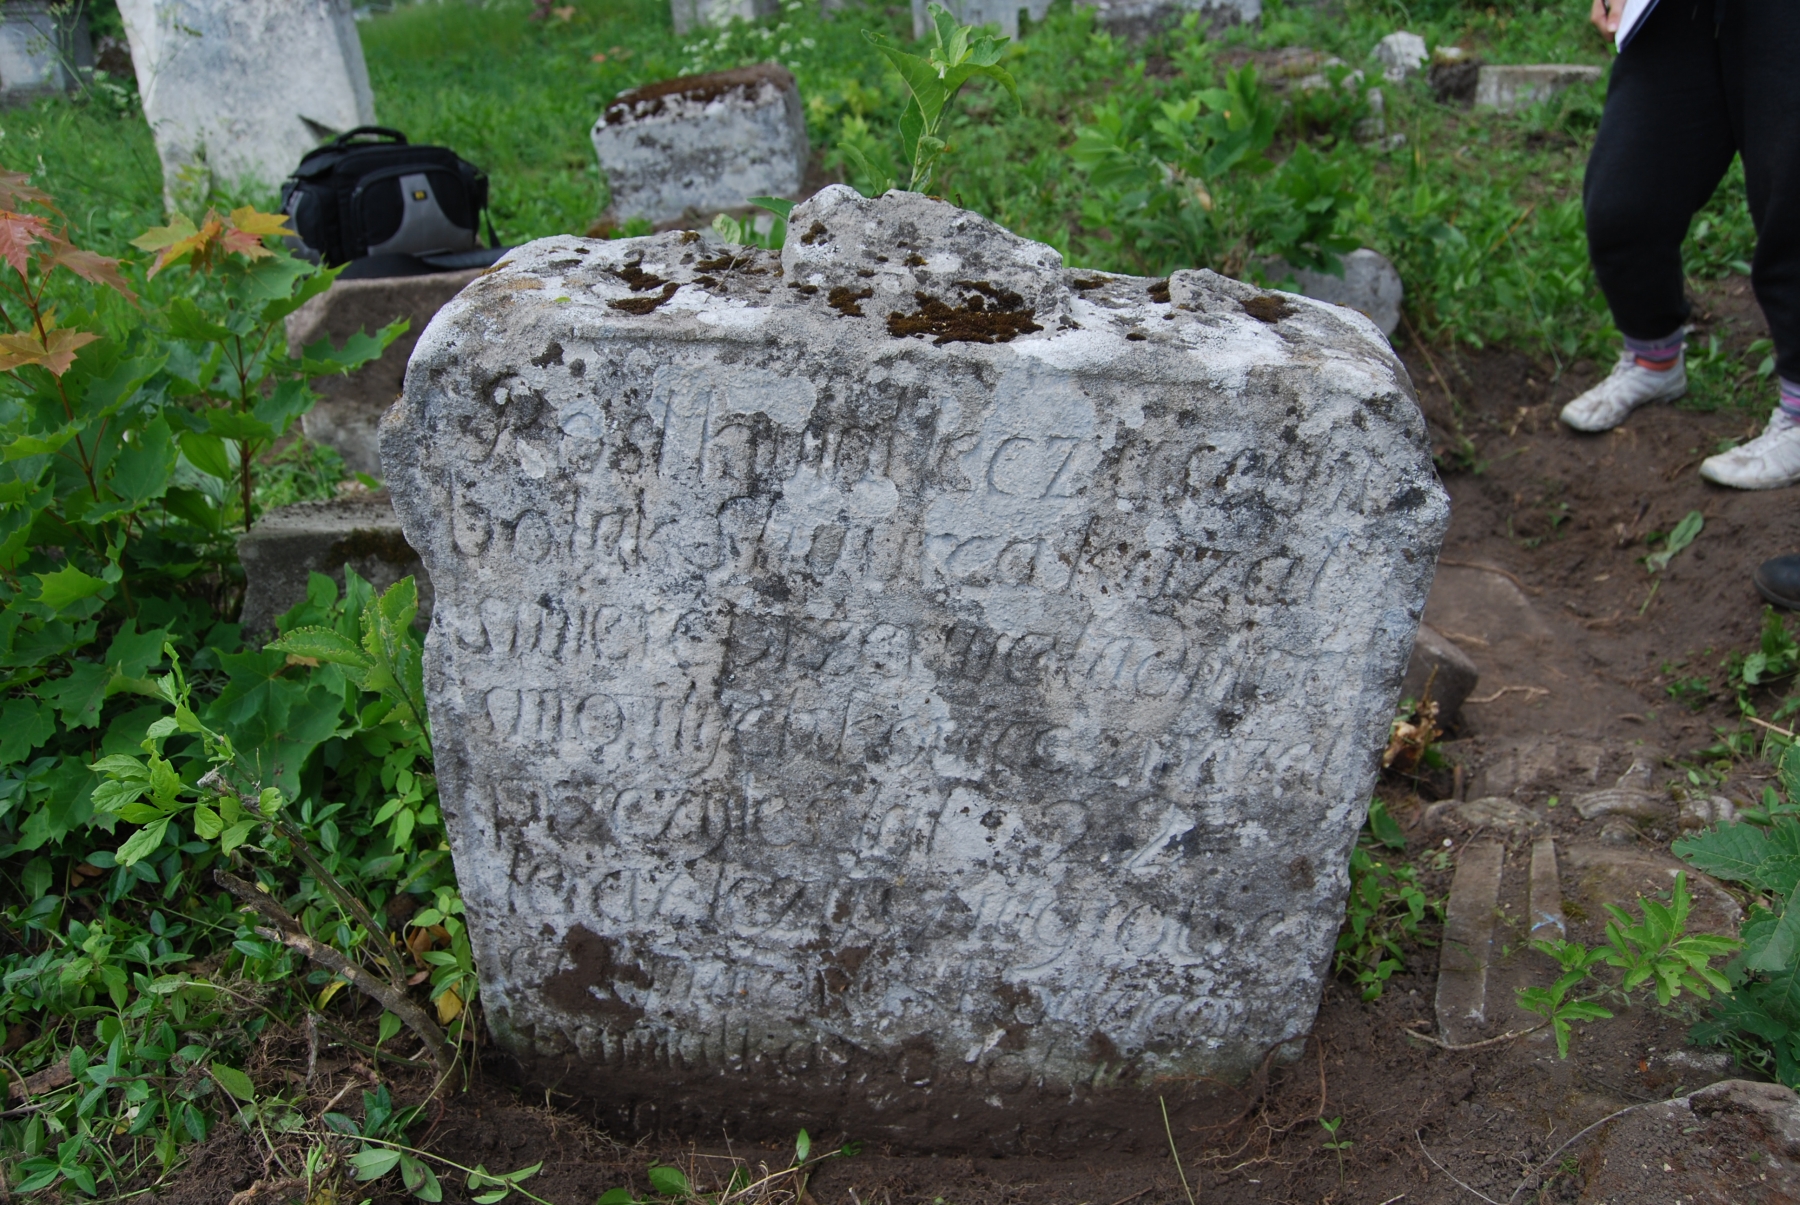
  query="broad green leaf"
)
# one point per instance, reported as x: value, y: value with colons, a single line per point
x: 66, y: 586
x: 143, y: 843
x: 1743, y: 853
x: 207, y: 453
x: 24, y: 725
x: 234, y: 425
x: 78, y: 696
x: 1683, y: 535
x: 321, y: 644
x: 140, y: 472
x: 372, y: 1163
x: 207, y: 824
x: 669, y: 1181
x: 234, y: 1081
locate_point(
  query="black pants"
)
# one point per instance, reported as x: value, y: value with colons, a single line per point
x: 1702, y: 81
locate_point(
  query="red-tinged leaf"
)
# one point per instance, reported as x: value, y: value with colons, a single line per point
x: 181, y: 239
x: 242, y: 242
x: 16, y: 191
x: 159, y: 237
x: 91, y: 266
x: 18, y: 231
x: 56, y: 352
x: 252, y: 221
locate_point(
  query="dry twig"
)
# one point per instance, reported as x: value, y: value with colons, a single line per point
x: 1481, y: 1045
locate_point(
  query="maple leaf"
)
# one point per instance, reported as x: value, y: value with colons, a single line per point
x: 56, y: 351
x: 18, y: 231
x: 180, y: 240
x: 249, y: 227
x: 90, y: 266
x: 16, y: 191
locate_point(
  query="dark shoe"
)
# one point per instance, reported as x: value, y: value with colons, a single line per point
x: 1779, y: 581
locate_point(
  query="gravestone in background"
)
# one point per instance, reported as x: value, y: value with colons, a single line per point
x: 898, y: 683
x: 700, y: 144
x: 43, y: 50
x: 236, y: 91
x: 350, y: 406
x: 1136, y: 18
x: 687, y: 14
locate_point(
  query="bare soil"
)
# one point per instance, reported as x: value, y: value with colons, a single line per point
x: 1578, y: 646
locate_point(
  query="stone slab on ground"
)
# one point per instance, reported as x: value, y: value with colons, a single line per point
x: 1468, y: 940
x: 290, y: 544
x: 350, y: 407
x: 41, y: 49
x: 1545, y: 896
x: 923, y: 677
x: 1144, y: 18
x: 1440, y: 670
x: 236, y: 91
x: 1597, y: 873
x: 1513, y: 86
x: 701, y: 144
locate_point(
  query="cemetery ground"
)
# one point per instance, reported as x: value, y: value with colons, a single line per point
x: 1592, y: 664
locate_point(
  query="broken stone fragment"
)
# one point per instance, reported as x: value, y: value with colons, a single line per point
x: 1622, y: 801
x: 1511, y: 87
x: 349, y: 407
x: 1401, y: 55
x: 1441, y: 670
x: 294, y: 542
x: 1370, y: 285
x: 701, y: 144
x: 901, y: 673
x: 1492, y: 812
x: 1705, y: 811
x: 236, y: 91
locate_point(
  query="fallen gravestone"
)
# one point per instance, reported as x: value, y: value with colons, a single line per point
x: 899, y: 683
x: 689, y: 15
x: 290, y: 544
x: 349, y: 407
x: 43, y: 49
x: 702, y: 143
x: 236, y: 91
x: 1514, y: 87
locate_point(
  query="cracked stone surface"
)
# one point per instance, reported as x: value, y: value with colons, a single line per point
x: 901, y: 680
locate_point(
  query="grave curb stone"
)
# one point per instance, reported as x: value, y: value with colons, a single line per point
x: 291, y: 543
x: 38, y: 46
x: 741, y: 539
x: 350, y: 407
x: 1508, y: 87
x: 702, y: 144
x: 1437, y: 661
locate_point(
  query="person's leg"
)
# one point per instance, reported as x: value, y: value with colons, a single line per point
x: 1758, y: 41
x: 1665, y: 142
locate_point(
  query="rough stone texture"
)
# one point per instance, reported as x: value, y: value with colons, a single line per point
x: 1440, y: 667
x: 38, y: 46
x: 236, y: 91
x: 1140, y: 18
x: 1461, y: 1003
x: 688, y: 14
x: 700, y: 144
x: 294, y: 542
x: 1514, y: 87
x: 1547, y: 921
x: 1611, y: 874
x: 350, y: 406
x: 1370, y: 285
x: 1488, y: 812
x: 1401, y: 55
x: 925, y: 735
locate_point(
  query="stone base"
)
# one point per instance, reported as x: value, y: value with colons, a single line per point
x: 350, y: 407
x: 292, y: 543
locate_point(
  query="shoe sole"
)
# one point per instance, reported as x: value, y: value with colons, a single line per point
x: 1673, y: 397
x: 1775, y: 596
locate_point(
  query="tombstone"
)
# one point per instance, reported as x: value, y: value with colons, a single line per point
x: 1129, y: 17
x: 899, y: 683
x: 1401, y: 55
x: 701, y: 144
x: 1370, y: 285
x: 43, y: 50
x: 349, y: 407
x: 290, y: 544
x: 1507, y: 88
x: 691, y: 14
x: 236, y: 91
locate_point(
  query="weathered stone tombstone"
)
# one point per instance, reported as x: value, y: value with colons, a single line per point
x: 899, y: 681
x: 1370, y: 284
x: 691, y: 14
x: 700, y: 144
x: 1401, y: 55
x: 236, y: 91
x: 1130, y: 17
x: 1509, y: 87
x: 42, y: 50
x: 350, y: 406
x: 290, y: 544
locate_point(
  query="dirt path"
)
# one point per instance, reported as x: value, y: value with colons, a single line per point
x: 1578, y: 645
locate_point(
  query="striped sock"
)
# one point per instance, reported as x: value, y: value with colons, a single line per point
x: 1790, y: 398
x: 1658, y: 355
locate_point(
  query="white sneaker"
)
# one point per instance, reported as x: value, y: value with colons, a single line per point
x: 1629, y: 386
x: 1768, y: 462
